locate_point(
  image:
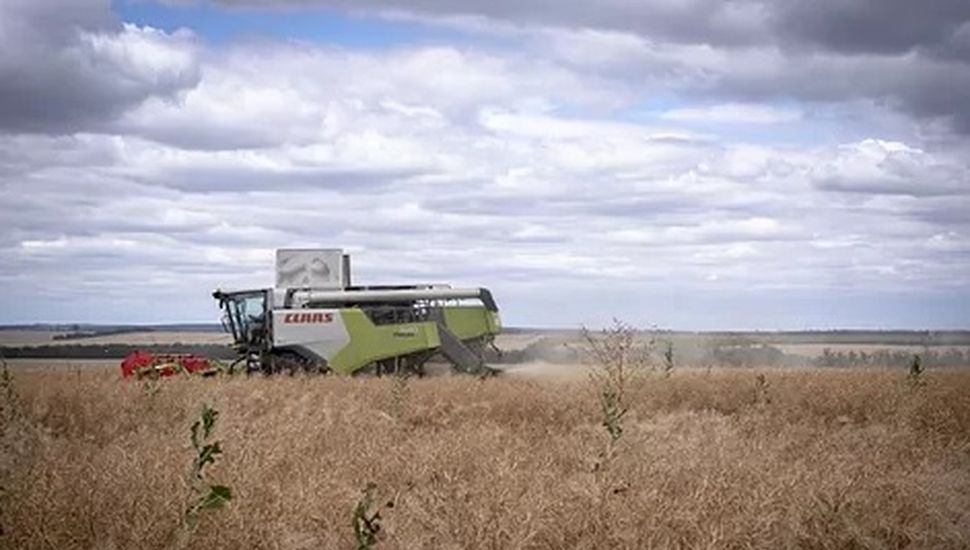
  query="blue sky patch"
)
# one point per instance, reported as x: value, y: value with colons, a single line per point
x: 220, y: 24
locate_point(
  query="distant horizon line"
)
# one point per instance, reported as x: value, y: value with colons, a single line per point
x: 50, y: 326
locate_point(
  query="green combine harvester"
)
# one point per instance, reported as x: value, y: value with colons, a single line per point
x: 315, y: 321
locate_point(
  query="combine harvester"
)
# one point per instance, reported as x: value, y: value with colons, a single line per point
x: 316, y: 321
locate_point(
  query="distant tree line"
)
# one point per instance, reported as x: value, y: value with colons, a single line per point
x: 743, y: 353
x: 751, y: 355
x: 81, y: 334
x: 112, y: 351
x: 950, y: 357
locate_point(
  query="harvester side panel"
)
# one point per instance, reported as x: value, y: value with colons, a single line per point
x: 468, y: 322
x: 320, y: 331
x: 370, y: 343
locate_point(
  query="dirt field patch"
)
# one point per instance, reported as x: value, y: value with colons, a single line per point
x: 17, y: 337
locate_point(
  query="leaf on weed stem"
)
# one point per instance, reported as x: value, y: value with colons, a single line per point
x: 367, y: 524
x: 209, y: 416
x: 195, y: 434
x: 218, y: 496
x: 208, y: 454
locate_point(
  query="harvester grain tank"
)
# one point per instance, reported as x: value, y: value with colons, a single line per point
x: 315, y: 320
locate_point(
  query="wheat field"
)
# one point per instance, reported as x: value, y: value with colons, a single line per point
x: 706, y: 459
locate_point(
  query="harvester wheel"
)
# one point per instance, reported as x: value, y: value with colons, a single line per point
x: 292, y: 363
x: 411, y: 364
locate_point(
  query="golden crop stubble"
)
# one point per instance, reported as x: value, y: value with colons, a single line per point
x: 835, y: 459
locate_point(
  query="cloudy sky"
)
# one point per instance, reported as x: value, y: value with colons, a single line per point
x: 691, y: 164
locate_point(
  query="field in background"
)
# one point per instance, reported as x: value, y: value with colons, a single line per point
x: 138, y: 338
x: 699, y: 350
x: 817, y: 350
x: 26, y: 337
x: 707, y: 459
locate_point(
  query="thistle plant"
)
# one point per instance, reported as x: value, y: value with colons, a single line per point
x: 205, y: 495
x: 367, y: 520
x: 915, y: 377
x: 9, y: 394
x: 761, y: 397
x: 619, y: 357
x: 668, y: 365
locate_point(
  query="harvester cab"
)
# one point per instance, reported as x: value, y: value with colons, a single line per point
x: 244, y: 316
x: 314, y: 320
